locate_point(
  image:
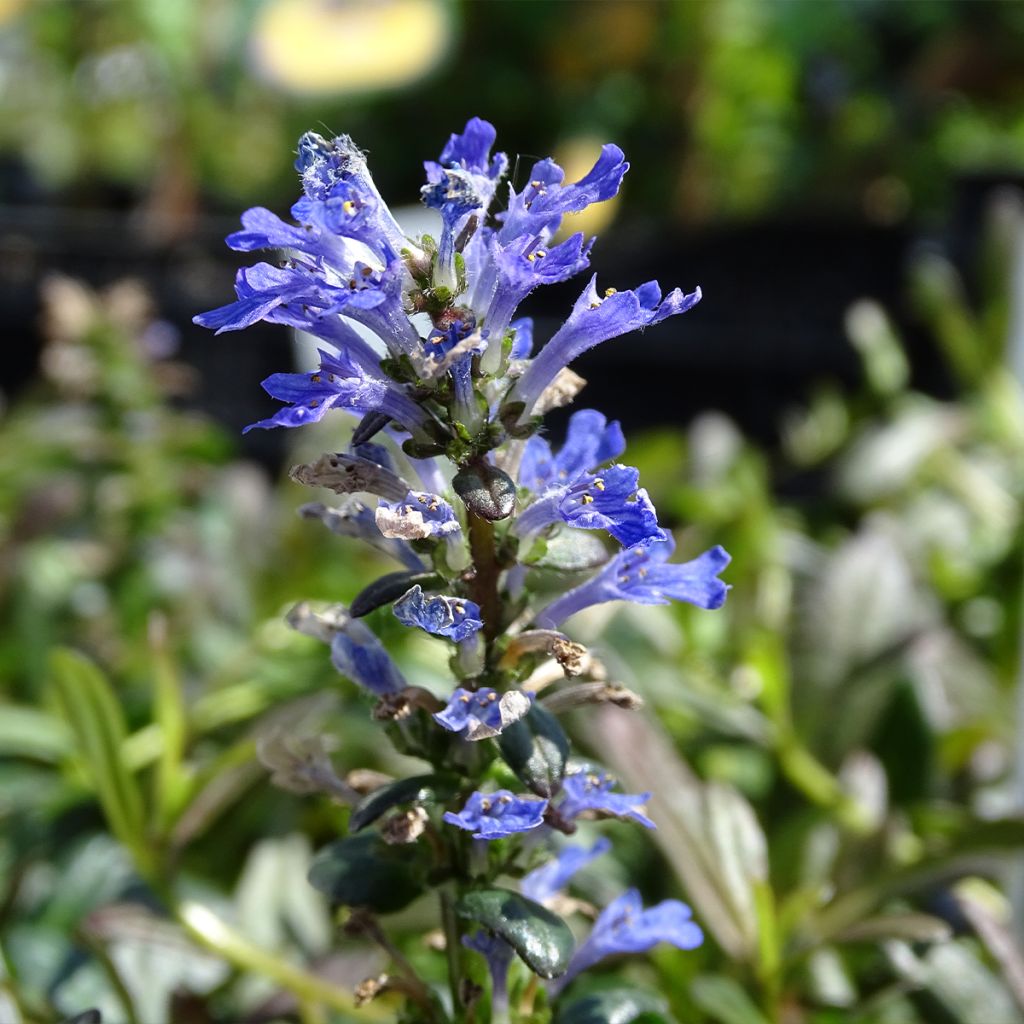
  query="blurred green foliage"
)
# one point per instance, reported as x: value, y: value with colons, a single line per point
x: 734, y: 107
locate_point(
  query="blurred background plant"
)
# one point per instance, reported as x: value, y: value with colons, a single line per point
x: 836, y: 755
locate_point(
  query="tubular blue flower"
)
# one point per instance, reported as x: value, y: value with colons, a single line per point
x: 547, y: 881
x: 545, y: 200
x: 498, y: 814
x: 609, y: 500
x: 461, y: 185
x: 340, y: 382
x: 261, y: 289
x: 498, y: 954
x: 625, y: 927
x: 417, y: 516
x: 642, y: 575
x: 522, y: 343
x: 450, y: 617
x: 525, y: 264
x: 592, y: 791
x: 595, y: 319
x: 359, y: 655
x: 483, y: 713
x: 590, y: 441
x: 323, y: 164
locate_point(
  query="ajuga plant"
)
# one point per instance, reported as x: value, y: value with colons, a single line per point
x: 501, y: 538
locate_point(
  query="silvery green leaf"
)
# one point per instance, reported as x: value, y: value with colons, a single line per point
x: 885, y: 457
x: 955, y: 975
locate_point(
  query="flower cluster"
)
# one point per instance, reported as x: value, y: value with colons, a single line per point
x: 448, y: 473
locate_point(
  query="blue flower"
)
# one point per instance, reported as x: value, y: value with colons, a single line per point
x: 522, y: 342
x: 525, y: 264
x: 590, y: 441
x: 450, y: 617
x: 461, y: 185
x: 641, y: 574
x: 608, y: 500
x: 540, y: 206
x: 323, y: 165
x: 547, y: 881
x: 340, y: 381
x: 498, y: 954
x: 417, y: 516
x: 498, y: 814
x: 358, y: 655
x: 596, y: 318
x: 592, y: 791
x: 625, y: 927
x: 483, y: 713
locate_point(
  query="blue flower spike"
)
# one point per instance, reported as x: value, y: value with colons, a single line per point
x: 443, y: 467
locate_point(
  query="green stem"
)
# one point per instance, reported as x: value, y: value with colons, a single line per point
x: 484, y: 583
x: 453, y: 951
x: 212, y: 933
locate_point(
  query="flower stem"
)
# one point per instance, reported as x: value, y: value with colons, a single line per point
x: 453, y: 951
x: 484, y: 582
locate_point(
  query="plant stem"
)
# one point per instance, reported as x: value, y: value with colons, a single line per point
x: 484, y: 583
x: 453, y: 951
x: 209, y: 931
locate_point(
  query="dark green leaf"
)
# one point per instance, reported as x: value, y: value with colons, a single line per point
x: 390, y: 588
x: 615, y: 1006
x: 363, y: 871
x: 487, y: 491
x: 542, y: 939
x: 372, y: 806
x: 88, y: 1017
x: 536, y: 749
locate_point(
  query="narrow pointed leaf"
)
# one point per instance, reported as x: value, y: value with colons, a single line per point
x: 390, y: 588
x: 418, y: 787
x: 91, y: 711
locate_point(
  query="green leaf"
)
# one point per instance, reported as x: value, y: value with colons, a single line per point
x: 31, y: 733
x: 418, y: 787
x: 363, y: 871
x: 169, y: 711
x: 725, y: 1000
x: 536, y: 749
x: 91, y: 710
x: 542, y: 939
x: 389, y: 588
x: 615, y: 1006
